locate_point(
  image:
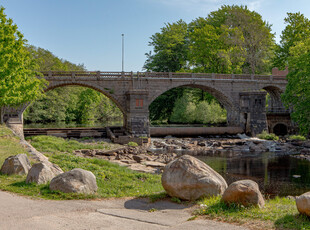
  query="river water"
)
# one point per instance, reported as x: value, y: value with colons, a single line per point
x: 275, y: 173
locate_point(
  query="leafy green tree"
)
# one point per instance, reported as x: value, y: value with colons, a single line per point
x: 297, y: 93
x: 257, y: 39
x: 18, y: 79
x: 184, y: 110
x: 170, y: 49
x: 297, y: 29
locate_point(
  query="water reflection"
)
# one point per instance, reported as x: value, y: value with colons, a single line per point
x: 276, y: 174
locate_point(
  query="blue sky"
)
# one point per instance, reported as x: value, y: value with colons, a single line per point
x: 89, y: 31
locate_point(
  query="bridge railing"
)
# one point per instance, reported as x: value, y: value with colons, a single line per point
x: 278, y: 110
x: 211, y: 76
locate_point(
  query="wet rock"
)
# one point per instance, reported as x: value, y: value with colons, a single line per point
x: 244, y: 192
x: 75, y: 181
x: 303, y: 203
x: 43, y: 172
x: 189, y: 178
x: 18, y: 164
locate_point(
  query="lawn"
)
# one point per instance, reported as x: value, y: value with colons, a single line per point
x: 112, y: 180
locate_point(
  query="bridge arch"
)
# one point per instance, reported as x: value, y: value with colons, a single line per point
x: 105, y: 92
x: 98, y: 89
x: 223, y: 99
x: 275, y: 104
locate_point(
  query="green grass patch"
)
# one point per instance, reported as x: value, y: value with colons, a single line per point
x: 297, y: 137
x: 53, y: 144
x: 132, y: 144
x: 268, y: 136
x: 279, y: 213
x: 112, y: 180
x: 9, y: 144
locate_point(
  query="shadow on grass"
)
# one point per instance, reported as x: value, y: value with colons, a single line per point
x: 298, y: 222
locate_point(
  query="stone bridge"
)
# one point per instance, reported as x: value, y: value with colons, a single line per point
x: 243, y: 96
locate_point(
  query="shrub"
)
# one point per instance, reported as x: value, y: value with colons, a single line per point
x: 268, y: 136
x: 132, y: 144
x: 297, y: 137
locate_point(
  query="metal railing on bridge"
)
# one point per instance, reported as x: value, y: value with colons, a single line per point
x: 169, y: 75
x: 277, y: 110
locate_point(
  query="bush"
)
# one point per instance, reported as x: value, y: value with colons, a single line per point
x: 268, y: 136
x: 132, y: 144
x: 297, y: 138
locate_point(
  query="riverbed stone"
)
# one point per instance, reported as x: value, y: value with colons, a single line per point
x: 43, y: 172
x: 188, y: 178
x: 244, y: 192
x: 18, y: 164
x: 303, y: 203
x: 75, y: 181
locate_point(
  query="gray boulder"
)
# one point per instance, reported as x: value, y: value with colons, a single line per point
x: 303, y: 204
x: 18, y: 164
x: 189, y: 179
x: 75, y: 181
x: 244, y: 192
x: 43, y: 172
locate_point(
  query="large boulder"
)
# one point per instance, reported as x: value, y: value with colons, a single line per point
x: 18, y: 164
x: 244, y: 192
x: 43, y: 172
x: 189, y: 179
x: 303, y: 203
x: 75, y: 181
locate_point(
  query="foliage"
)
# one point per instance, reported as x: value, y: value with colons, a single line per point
x: 297, y: 137
x: 132, y: 144
x: 297, y: 92
x: 170, y: 48
x: 18, y: 79
x: 184, y: 110
x: 232, y: 39
x: 210, y: 113
x: 279, y: 213
x: 297, y: 30
x: 268, y: 136
x: 251, y: 33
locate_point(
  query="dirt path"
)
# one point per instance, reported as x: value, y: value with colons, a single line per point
x: 18, y: 212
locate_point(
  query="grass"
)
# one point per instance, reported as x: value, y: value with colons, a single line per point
x: 51, y: 144
x: 268, y: 136
x: 278, y: 213
x: 9, y: 144
x: 112, y: 180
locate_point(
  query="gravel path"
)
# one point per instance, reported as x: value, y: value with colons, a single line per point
x: 18, y: 212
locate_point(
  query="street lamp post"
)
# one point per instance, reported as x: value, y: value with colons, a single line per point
x: 122, y: 52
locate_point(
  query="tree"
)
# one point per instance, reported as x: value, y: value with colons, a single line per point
x: 257, y: 40
x: 297, y: 93
x: 18, y: 79
x: 297, y: 29
x: 170, y: 49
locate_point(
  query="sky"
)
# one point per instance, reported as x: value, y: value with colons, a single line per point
x: 90, y: 32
